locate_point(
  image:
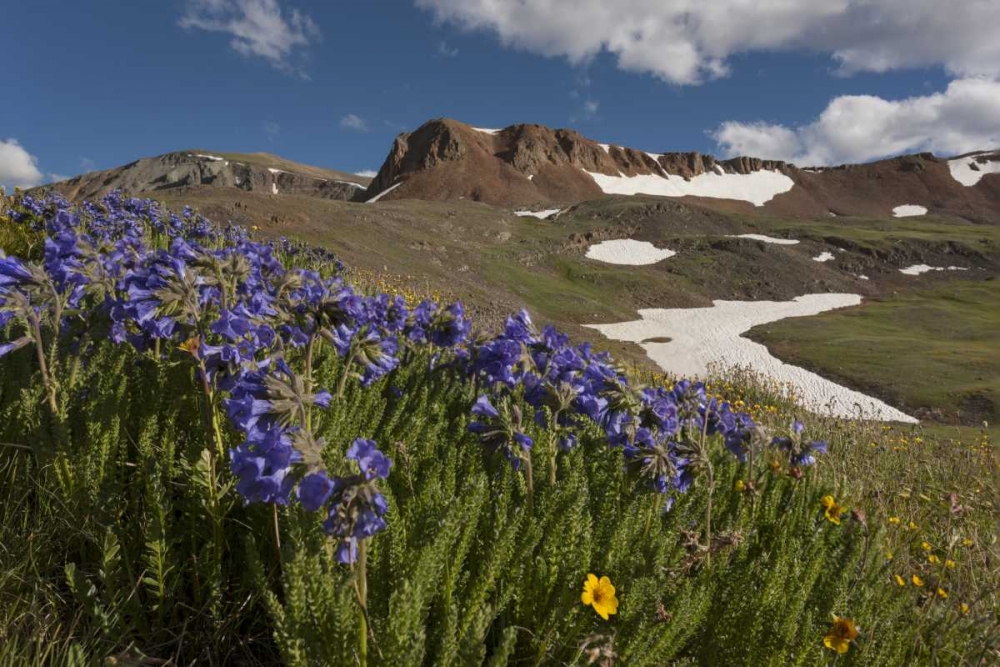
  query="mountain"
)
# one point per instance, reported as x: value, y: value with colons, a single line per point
x: 534, y: 166
x: 249, y: 172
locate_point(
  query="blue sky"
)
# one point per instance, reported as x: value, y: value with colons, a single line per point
x: 100, y: 83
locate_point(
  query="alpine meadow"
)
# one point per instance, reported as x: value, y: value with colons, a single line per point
x: 500, y: 333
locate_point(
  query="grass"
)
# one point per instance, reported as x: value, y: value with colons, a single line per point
x: 498, y: 263
x: 943, y: 343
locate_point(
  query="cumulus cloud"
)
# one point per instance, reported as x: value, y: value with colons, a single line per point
x: 352, y: 121
x: 367, y: 173
x: 18, y: 167
x: 258, y: 28
x: 688, y: 41
x: 856, y: 128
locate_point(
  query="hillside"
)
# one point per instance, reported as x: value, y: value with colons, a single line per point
x: 535, y: 166
x: 241, y: 172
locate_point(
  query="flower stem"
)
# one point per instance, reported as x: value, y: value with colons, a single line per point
x: 36, y: 331
x: 530, y: 479
x: 347, y: 371
x: 362, y: 575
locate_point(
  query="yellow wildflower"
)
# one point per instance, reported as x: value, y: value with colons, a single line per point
x: 831, y: 509
x: 888, y: 555
x: 740, y: 486
x: 950, y: 564
x: 600, y: 594
x: 964, y: 608
x: 900, y: 581
x: 913, y: 526
x: 894, y: 520
x: 841, y: 634
x: 942, y: 593
x: 190, y: 345
x: 917, y: 581
x: 925, y: 546
x: 775, y: 465
x: 933, y: 560
x: 967, y: 542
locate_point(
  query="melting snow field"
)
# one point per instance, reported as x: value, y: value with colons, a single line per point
x: 703, y: 337
x: 383, y: 193
x: 628, y: 252
x: 917, y: 269
x: 538, y: 214
x: 486, y: 130
x: 962, y: 169
x: 765, y: 239
x: 823, y: 257
x: 757, y: 187
x: 908, y: 210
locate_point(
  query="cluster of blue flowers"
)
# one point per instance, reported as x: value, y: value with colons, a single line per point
x: 659, y: 430
x: 161, y: 281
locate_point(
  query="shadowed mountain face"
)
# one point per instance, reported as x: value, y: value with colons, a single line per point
x: 256, y: 172
x: 535, y: 166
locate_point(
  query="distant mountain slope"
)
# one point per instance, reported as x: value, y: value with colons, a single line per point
x: 535, y: 166
x: 251, y: 172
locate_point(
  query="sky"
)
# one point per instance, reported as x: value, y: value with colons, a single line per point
x: 95, y: 84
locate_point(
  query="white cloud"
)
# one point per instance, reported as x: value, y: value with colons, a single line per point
x: 352, y: 121
x: 18, y: 167
x: 446, y: 51
x: 688, y: 41
x: 367, y: 173
x: 258, y: 28
x: 587, y: 110
x: 856, y: 128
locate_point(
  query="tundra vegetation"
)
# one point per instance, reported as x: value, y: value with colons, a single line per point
x: 214, y: 449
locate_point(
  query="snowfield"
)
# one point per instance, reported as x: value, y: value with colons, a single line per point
x: 274, y: 188
x: 628, y: 252
x: 704, y: 337
x: 823, y: 257
x: 962, y: 169
x: 207, y: 157
x: 765, y: 239
x: 384, y: 193
x: 908, y: 210
x: 538, y: 214
x: 486, y: 130
x: 917, y: 269
x: 757, y: 187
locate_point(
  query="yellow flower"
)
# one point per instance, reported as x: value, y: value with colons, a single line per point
x: 967, y: 542
x: 917, y: 581
x: 933, y: 560
x: 913, y: 526
x: 841, y: 634
x: 900, y: 581
x: 831, y: 509
x: 942, y: 593
x: 950, y: 564
x: 964, y: 608
x: 925, y: 546
x: 775, y: 465
x: 739, y: 486
x: 190, y: 345
x: 894, y: 520
x: 600, y: 594
x: 888, y: 555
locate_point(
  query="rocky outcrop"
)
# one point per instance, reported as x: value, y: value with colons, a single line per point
x: 258, y: 172
x: 530, y: 165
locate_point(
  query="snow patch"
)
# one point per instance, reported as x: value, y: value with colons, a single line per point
x: 862, y: 277
x: 274, y: 188
x: 606, y: 147
x: 823, y: 257
x: 968, y: 171
x: 486, y: 130
x: 531, y: 177
x: 764, y: 238
x: 538, y: 214
x: 206, y: 157
x: 917, y: 269
x: 756, y: 187
x: 628, y: 252
x: 909, y: 210
x: 384, y: 193
x: 357, y: 185
x: 704, y: 337
x: 278, y: 171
